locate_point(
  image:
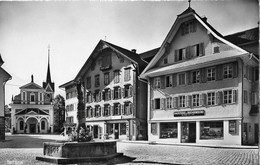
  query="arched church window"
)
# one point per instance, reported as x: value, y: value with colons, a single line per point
x: 43, y: 125
x: 21, y: 125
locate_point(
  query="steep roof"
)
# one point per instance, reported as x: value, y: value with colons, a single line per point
x: 244, y: 37
x: 148, y: 55
x: 67, y: 84
x: 130, y: 55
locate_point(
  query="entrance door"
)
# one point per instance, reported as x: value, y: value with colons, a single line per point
x: 188, y: 132
x: 32, y: 128
x: 95, y: 131
x: 256, y: 133
x: 116, y: 131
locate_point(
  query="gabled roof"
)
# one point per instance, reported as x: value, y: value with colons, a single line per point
x: 174, y: 29
x: 148, y: 55
x: 31, y: 85
x: 32, y: 111
x: 132, y: 56
x: 72, y: 82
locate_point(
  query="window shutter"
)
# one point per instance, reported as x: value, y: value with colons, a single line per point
x: 253, y: 98
x: 188, y: 52
x: 177, y: 102
x: 112, y: 110
x: 152, y: 104
x: 176, y: 55
x: 112, y: 94
x: 188, y: 77
x: 194, y: 23
x: 122, y: 109
x: 188, y: 101
x: 202, y: 99
x: 234, y: 96
x: 219, y: 72
x: 100, y: 95
x: 162, y: 101
x: 131, y: 90
x: 219, y: 97
x: 203, y: 75
x: 123, y: 92
x: 162, y: 82
x: 131, y: 108
x: 201, y: 49
x: 102, y: 111
x: 109, y: 94
x: 235, y: 70
x: 174, y: 103
x: 93, y: 97
x: 109, y: 110
x: 119, y: 92
x: 174, y: 80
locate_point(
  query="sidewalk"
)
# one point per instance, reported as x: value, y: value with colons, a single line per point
x: 190, y: 144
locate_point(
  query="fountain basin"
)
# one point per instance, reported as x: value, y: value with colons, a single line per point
x: 78, y: 152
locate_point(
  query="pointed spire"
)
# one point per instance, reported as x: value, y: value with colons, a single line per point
x: 48, y: 78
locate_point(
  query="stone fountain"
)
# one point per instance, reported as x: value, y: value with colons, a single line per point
x: 79, y: 147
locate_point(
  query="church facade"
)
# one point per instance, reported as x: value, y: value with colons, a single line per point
x: 32, y: 109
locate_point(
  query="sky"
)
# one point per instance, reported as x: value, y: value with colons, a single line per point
x: 73, y: 29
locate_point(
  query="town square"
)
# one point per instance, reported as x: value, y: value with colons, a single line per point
x: 133, y: 82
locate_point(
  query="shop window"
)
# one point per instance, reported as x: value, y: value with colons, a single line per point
x: 127, y: 74
x: 195, y: 76
x: 154, y: 128
x: 122, y: 128
x: 211, y: 74
x: 232, y: 127
x: 211, y: 130
x: 109, y: 129
x: 116, y: 76
x: 228, y: 71
x: 88, y: 82
x: 168, y: 81
x: 97, y: 79
x: 157, y: 82
x: 181, y: 79
x: 168, y: 130
x: 182, y: 101
x: 211, y: 98
x: 195, y: 100
x: 106, y: 78
x: 43, y: 125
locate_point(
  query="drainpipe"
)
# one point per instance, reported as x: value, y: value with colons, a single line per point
x: 242, y: 102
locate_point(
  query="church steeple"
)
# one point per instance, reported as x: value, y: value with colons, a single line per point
x: 48, y: 78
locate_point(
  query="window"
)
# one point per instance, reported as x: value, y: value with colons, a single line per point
x: 43, y: 125
x: 24, y: 96
x: 169, y: 103
x: 165, y: 60
x: 188, y: 27
x: 127, y: 74
x: 246, y: 96
x: 211, y: 98
x: 157, y: 82
x: 156, y: 103
x: 117, y: 92
x: 97, y: 83
x: 168, y: 130
x: 32, y: 97
x: 168, y: 81
x: 256, y: 74
x: 106, y: 61
x: 211, y: 130
x: 182, y: 101
x: 154, y: 128
x: 89, y: 97
x: 117, y: 109
x: 127, y: 108
x: 89, y: 112
x: 106, y: 110
x: 106, y: 78
x: 96, y: 96
x: 228, y: 71
x: 116, y: 75
x: 97, y: 112
x: 122, y: 127
x: 229, y: 96
x: 195, y: 76
x: 195, y: 100
x: 211, y: 74
x: 182, y: 54
x: 216, y: 49
x: 128, y: 91
x: 181, y: 79
x: 69, y: 119
x: 107, y: 94
x: 21, y: 125
x: 88, y: 82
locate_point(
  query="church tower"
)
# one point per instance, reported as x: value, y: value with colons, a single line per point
x: 48, y: 85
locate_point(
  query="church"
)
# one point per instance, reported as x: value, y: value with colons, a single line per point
x: 32, y: 109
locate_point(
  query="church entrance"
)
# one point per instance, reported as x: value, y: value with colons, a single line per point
x: 32, y: 123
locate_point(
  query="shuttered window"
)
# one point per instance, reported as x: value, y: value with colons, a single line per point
x: 228, y: 71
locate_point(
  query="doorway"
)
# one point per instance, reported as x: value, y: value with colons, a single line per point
x: 32, y: 128
x: 116, y: 131
x: 188, y: 132
x: 95, y: 131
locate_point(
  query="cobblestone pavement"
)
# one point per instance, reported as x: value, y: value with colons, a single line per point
x: 22, y: 150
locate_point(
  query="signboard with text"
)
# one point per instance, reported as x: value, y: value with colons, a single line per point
x: 189, y: 113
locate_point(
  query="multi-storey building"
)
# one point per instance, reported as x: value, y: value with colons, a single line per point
x: 4, y: 77
x: 203, y: 87
x: 115, y: 99
x: 32, y: 109
x: 71, y: 103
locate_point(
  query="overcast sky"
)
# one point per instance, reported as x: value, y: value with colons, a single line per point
x: 73, y: 29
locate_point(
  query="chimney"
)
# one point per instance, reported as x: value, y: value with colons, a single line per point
x: 204, y: 18
x: 32, y: 78
x: 133, y: 50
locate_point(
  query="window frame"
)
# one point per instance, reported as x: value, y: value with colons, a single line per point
x: 97, y: 80
x: 168, y: 83
x: 182, y: 101
x: 195, y: 79
x: 180, y: 78
x: 227, y: 71
x: 106, y: 78
x: 211, y: 99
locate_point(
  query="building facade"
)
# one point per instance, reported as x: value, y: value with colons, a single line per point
x: 115, y: 107
x: 4, y: 77
x: 202, y: 88
x: 32, y: 109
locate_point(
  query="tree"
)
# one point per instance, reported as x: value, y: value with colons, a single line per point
x: 59, y: 113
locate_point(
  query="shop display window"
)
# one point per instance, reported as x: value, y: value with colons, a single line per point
x: 122, y: 128
x: 211, y: 130
x: 168, y: 130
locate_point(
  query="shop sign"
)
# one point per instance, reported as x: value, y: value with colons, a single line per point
x: 189, y: 113
x: 232, y: 126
